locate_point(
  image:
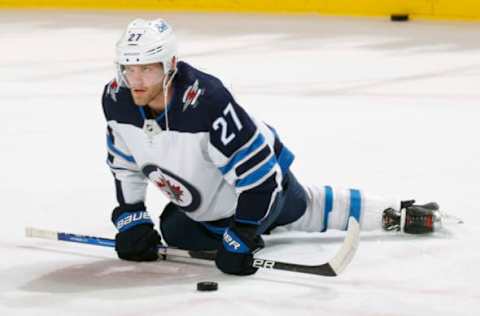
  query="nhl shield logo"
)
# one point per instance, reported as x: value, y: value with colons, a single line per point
x: 191, y: 95
x: 178, y: 190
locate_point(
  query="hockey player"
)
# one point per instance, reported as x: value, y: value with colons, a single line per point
x: 227, y: 175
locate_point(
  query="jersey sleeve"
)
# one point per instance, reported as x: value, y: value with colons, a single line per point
x: 130, y: 183
x: 244, y: 153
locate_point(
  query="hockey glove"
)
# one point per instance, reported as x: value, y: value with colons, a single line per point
x: 235, y: 255
x: 136, y: 240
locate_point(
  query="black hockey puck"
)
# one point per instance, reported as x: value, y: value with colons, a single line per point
x: 399, y: 17
x: 207, y: 286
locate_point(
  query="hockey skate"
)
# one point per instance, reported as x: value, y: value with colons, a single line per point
x: 412, y: 218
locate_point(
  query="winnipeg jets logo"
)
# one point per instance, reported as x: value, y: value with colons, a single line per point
x: 191, y: 95
x: 178, y: 190
x: 175, y: 192
x: 112, y: 89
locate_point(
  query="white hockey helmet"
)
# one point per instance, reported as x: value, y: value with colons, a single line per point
x: 147, y: 42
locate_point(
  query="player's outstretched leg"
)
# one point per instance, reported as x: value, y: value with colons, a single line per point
x: 412, y: 218
x: 330, y: 208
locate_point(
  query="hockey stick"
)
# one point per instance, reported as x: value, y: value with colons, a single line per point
x: 331, y: 268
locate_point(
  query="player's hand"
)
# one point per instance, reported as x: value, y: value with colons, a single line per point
x: 136, y: 240
x: 235, y: 255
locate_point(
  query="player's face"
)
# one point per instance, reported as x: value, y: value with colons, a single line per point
x: 145, y: 82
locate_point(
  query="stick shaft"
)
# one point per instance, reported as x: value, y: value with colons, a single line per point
x: 330, y: 268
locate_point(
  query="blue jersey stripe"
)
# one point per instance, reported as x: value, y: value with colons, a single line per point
x: 241, y: 154
x: 253, y: 161
x: 328, y: 206
x: 116, y: 151
x: 285, y: 159
x: 258, y: 174
x: 355, y: 204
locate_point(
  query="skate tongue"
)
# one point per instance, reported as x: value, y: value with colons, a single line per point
x: 407, y: 203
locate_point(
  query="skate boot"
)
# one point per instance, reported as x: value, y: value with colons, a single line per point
x: 412, y: 219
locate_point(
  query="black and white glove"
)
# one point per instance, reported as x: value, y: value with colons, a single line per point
x: 235, y: 254
x: 136, y: 240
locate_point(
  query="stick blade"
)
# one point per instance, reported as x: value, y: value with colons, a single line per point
x: 40, y: 233
x: 349, y: 247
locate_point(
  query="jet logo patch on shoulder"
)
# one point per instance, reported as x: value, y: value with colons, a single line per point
x: 178, y: 190
x: 112, y: 89
x: 191, y: 95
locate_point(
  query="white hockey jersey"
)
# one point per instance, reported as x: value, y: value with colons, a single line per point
x: 213, y: 160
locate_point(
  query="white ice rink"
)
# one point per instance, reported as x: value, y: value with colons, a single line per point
x: 391, y: 108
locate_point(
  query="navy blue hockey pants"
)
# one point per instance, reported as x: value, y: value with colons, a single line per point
x: 182, y: 232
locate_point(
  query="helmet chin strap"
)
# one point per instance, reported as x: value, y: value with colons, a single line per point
x: 167, y: 81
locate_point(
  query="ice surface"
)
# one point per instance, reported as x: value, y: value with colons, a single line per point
x: 392, y: 108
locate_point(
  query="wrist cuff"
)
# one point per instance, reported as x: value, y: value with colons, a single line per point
x: 128, y: 220
x: 233, y: 243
